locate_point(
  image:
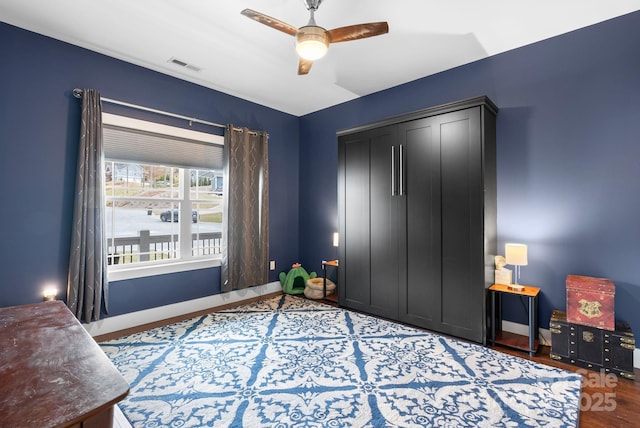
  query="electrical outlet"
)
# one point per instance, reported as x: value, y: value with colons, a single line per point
x: 272, y: 265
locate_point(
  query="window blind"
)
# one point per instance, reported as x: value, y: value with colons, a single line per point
x: 137, y: 145
x: 126, y: 144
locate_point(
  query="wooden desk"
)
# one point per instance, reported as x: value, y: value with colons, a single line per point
x: 53, y: 374
x: 525, y: 343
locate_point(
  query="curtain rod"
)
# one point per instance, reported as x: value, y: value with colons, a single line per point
x: 78, y: 94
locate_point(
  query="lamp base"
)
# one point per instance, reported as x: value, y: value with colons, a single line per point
x: 516, y: 287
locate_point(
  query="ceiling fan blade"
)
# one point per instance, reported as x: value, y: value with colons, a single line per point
x: 270, y: 22
x: 359, y: 31
x: 304, y: 65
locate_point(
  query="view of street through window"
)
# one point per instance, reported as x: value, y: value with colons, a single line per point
x: 146, y: 208
x: 129, y: 221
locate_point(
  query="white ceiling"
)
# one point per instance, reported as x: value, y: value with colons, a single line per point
x: 244, y: 58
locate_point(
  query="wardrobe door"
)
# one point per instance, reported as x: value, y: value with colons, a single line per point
x: 462, y: 213
x: 420, y: 292
x: 353, y: 207
x: 443, y: 248
x: 368, y: 201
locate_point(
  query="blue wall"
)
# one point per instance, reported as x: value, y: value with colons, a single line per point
x: 568, y: 160
x: 568, y: 157
x: 39, y: 134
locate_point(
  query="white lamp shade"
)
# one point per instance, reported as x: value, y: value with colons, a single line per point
x: 516, y: 254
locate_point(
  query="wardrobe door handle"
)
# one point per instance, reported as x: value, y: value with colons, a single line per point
x: 401, y: 172
x: 393, y: 170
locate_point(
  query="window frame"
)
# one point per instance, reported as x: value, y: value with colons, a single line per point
x: 187, y: 260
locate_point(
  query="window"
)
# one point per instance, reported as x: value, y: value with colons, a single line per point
x: 163, y: 197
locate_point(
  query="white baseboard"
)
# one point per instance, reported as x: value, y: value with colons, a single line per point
x: 134, y: 319
x: 544, y: 336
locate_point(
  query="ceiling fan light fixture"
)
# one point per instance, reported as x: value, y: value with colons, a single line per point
x: 312, y: 42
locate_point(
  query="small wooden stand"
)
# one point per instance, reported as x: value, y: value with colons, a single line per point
x: 517, y: 341
x: 332, y: 297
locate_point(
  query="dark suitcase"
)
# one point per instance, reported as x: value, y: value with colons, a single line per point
x: 593, y: 348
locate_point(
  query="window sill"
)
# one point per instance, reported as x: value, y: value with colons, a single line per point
x: 141, y: 271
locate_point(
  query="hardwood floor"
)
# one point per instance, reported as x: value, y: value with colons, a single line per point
x: 607, y: 402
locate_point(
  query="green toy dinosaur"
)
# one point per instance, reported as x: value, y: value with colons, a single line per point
x: 295, y: 281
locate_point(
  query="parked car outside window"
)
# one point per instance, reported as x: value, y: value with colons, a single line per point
x: 166, y: 216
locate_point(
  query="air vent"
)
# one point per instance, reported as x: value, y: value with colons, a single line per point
x: 184, y: 64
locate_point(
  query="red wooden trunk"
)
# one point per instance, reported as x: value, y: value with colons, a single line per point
x: 590, y: 301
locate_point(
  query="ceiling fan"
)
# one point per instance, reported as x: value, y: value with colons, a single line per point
x: 312, y: 41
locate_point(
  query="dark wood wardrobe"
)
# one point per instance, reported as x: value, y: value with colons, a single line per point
x: 417, y: 215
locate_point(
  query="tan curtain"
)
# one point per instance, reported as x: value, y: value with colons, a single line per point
x: 245, y: 233
x: 87, y: 286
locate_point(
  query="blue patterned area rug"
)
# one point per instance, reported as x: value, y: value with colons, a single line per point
x: 290, y: 362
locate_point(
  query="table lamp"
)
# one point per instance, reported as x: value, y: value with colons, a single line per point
x: 516, y: 255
